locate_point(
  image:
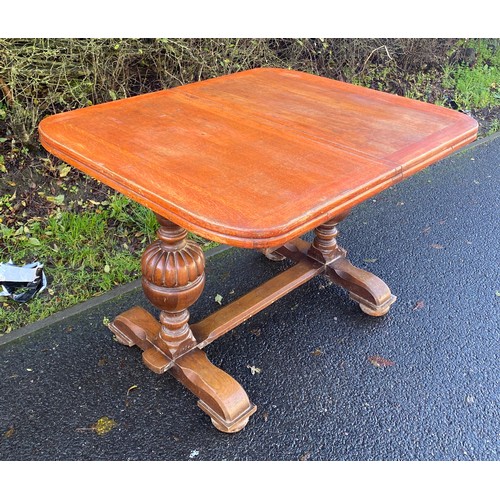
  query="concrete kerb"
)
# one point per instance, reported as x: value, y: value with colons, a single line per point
x: 134, y: 285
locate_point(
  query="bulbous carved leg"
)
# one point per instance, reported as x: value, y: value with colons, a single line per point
x: 173, y: 278
x: 371, y: 293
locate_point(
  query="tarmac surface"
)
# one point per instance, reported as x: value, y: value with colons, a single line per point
x: 433, y: 239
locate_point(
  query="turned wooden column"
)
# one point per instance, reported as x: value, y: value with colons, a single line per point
x: 325, y: 248
x: 173, y: 278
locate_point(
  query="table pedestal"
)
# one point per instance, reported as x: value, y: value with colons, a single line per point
x: 173, y: 279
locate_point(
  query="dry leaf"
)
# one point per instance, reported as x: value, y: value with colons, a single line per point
x: 10, y: 432
x: 437, y: 246
x: 317, y: 352
x: 64, y: 170
x: 380, y: 362
x: 218, y: 299
x: 369, y: 261
x: 305, y: 456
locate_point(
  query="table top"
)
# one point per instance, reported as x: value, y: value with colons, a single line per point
x: 255, y: 158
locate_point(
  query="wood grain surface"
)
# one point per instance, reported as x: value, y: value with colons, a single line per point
x: 255, y: 158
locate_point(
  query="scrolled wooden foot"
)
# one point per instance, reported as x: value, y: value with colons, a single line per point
x: 135, y: 327
x: 221, y: 397
x: 369, y: 291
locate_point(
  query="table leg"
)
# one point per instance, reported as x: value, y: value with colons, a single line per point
x: 173, y: 279
x: 371, y: 293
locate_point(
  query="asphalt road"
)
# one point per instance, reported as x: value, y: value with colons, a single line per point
x: 433, y: 239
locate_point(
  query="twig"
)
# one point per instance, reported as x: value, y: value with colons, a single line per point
x: 372, y: 52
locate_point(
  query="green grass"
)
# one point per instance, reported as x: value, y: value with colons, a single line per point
x: 84, y: 255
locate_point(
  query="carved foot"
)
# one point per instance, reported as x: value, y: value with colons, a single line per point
x: 369, y: 291
x: 221, y: 397
x: 137, y: 327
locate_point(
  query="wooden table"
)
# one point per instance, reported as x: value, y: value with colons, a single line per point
x: 255, y: 160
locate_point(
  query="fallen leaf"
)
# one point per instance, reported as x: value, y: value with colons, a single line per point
x: 305, y: 456
x: 497, y: 293
x: 57, y: 200
x: 254, y: 369
x: 256, y: 331
x: 265, y: 416
x: 218, y: 299
x: 317, y: 352
x: 194, y: 453
x: 370, y: 260
x: 105, y: 321
x: 419, y: 305
x: 104, y: 425
x: 380, y: 362
x: 437, y: 246
x: 107, y: 269
x: 10, y: 432
x: 34, y: 242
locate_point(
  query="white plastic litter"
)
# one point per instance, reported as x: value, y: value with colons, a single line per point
x: 21, y: 283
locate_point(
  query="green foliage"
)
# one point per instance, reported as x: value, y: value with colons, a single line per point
x: 476, y: 79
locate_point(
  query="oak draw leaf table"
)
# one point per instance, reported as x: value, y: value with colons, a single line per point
x: 254, y: 160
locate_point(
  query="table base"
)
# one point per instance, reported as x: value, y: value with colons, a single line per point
x: 173, y: 279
